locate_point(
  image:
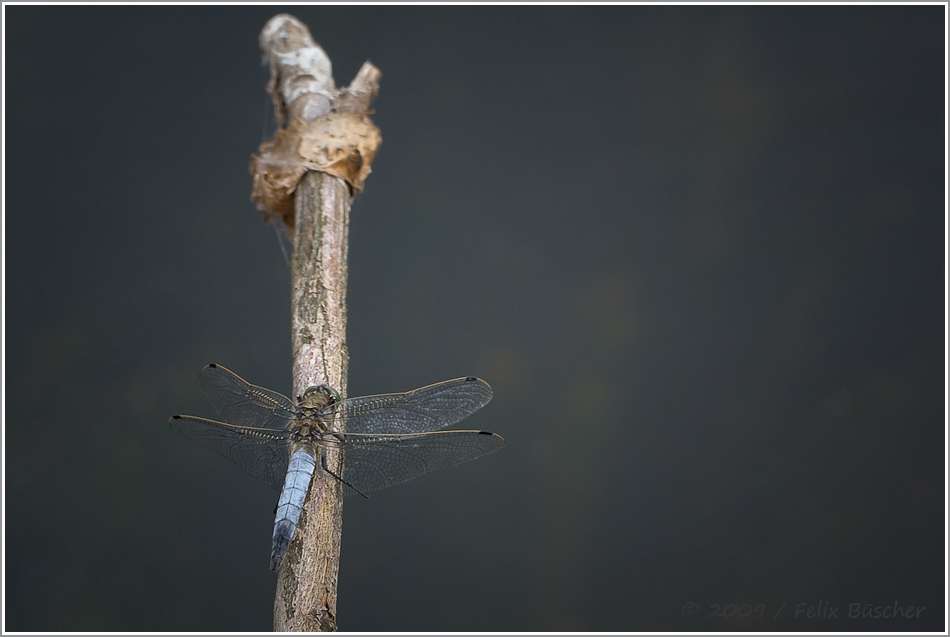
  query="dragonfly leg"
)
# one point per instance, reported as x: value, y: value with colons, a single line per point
x: 323, y: 463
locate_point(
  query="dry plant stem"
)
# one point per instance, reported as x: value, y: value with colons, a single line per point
x: 307, y: 579
x: 318, y: 282
x: 317, y: 161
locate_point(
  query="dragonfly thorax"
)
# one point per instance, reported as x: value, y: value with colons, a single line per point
x: 311, y: 412
x: 307, y: 431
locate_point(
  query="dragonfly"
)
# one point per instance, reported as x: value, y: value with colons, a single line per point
x: 389, y: 438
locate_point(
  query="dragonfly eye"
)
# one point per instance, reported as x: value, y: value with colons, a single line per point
x: 314, y: 394
x: 332, y: 393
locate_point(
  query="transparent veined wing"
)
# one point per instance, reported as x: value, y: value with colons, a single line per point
x: 260, y: 451
x: 422, y: 410
x: 240, y: 403
x: 373, y: 462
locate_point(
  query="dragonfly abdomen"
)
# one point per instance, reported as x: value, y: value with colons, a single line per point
x: 299, y: 473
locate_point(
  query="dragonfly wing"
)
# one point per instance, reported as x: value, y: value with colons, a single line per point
x: 261, y: 452
x: 374, y: 462
x: 241, y: 403
x: 425, y: 409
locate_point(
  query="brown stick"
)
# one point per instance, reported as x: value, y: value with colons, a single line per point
x: 307, y: 578
x: 306, y: 103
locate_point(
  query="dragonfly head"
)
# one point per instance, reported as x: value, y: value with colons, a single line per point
x: 321, y: 396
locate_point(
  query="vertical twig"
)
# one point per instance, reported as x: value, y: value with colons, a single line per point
x: 324, y: 129
x: 307, y: 580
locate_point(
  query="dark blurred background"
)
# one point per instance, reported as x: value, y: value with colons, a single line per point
x: 698, y: 251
